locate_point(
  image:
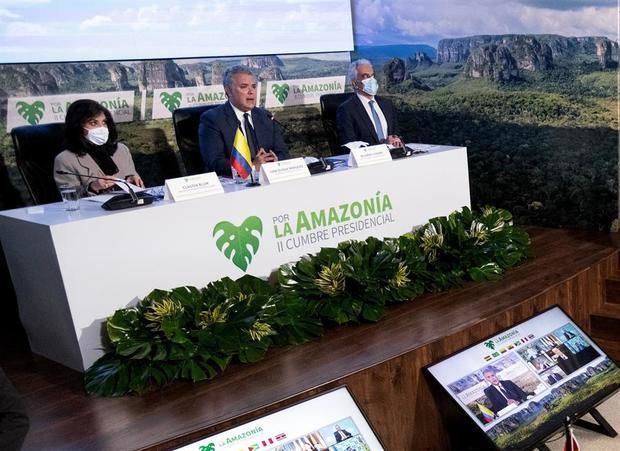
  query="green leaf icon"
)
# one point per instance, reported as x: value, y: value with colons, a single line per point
x: 171, y: 101
x: 280, y: 91
x: 209, y: 447
x: 239, y: 244
x: 32, y: 113
x: 490, y: 344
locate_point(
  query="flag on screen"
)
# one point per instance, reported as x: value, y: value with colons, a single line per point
x: 240, y: 157
x: 269, y: 441
x: 281, y: 436
x: 488, y: 358
x: 571, y: 442
x: 487, y: 414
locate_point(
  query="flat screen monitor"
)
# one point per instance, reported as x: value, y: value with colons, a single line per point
x: 115, y: 30
x: 518, y: 386
x: 330, y: 421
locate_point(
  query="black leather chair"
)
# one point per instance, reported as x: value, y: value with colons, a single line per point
x: 36, y: 146
x: 186, y: 121
x: 329, y: 105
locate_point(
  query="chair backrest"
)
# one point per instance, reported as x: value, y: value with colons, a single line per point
x: 329, y: 105
x: 186, y: 121
x: 36, y: 146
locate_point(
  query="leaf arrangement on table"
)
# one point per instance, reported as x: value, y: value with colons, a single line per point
x: 192, y: 333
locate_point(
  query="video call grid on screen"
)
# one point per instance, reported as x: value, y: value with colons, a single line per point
x: 505, y: 383
x: 64, y: 31
x: 330, y: 421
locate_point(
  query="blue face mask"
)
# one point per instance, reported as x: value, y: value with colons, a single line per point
x: 370, y: 86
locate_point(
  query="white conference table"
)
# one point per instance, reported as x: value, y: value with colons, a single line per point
x: 72, y: 270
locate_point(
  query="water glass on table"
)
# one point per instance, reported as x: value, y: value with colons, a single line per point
x: 70, y: 197
x: 237, y: 177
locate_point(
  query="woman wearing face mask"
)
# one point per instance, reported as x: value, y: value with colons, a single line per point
x: 92, y: 150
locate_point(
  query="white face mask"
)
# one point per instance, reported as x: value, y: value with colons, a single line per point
x: 98, y: 136
x: 371, y: 86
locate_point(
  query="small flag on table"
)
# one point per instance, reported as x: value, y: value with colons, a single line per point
x: 240, y: 157
x: 487, y: 414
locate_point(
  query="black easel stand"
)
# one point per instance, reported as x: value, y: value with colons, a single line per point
x: 601, y: 426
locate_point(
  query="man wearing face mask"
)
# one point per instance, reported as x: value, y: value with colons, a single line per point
x: 365, y: 116
x: 92, y: 150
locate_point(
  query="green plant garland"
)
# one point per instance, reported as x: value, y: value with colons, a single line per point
x: 191, y: 333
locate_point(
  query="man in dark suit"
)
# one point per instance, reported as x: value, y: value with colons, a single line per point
x: 502, y: 393
x: 365, y: 116
x: 219, y: 125
x: 340, y: 434
x: 553, y: 377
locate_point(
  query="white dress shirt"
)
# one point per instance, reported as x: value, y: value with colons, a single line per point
x: 366, y: 103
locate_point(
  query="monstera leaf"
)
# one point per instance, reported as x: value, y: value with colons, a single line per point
x: 280, y: 91
x: 239, y: 244
x: 32, y: 113
x: 171, y: 101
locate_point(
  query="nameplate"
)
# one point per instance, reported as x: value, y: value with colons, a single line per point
x: 192, y: 187
x: 280, y: 171
x: 367, y: 156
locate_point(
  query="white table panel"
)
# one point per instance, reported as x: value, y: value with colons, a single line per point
x: 71, y: 270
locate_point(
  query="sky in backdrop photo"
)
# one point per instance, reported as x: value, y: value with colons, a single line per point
x: 378, y: 22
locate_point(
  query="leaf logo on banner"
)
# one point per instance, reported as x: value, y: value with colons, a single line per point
x: 31, y: 113
x: 171, y: 101
x: 209, y: 447
x: 239, y: 244
x: 280, y: 91
x: 490, y: 344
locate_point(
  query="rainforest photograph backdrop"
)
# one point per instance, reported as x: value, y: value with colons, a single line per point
x: 528, y: 86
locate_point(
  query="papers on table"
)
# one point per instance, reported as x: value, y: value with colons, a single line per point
x: 355, y: 145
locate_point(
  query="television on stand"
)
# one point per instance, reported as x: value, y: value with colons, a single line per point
x: 519, y: 387
x: 330, y: 421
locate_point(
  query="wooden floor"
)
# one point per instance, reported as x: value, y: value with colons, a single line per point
x: 379, y: 362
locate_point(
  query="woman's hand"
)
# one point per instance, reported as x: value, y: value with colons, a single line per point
x: 101, y: 184
x: 136, y: 180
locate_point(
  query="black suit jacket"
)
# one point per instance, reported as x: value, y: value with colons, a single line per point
x: 498, y: 402
x: 216, y: 134
x: 341, y: 435
x: 354, y: 124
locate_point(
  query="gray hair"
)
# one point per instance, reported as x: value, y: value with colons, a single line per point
x: 227, y: 81
x: 353, y: 68
x: 489, y: 369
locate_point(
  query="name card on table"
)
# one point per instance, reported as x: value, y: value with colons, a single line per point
x: 366, y: 156
x: 192, y: 187
x: 280, y: 171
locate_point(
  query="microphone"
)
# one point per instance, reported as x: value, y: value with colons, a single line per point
x: 119, y: 201
x: 273, y: 119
